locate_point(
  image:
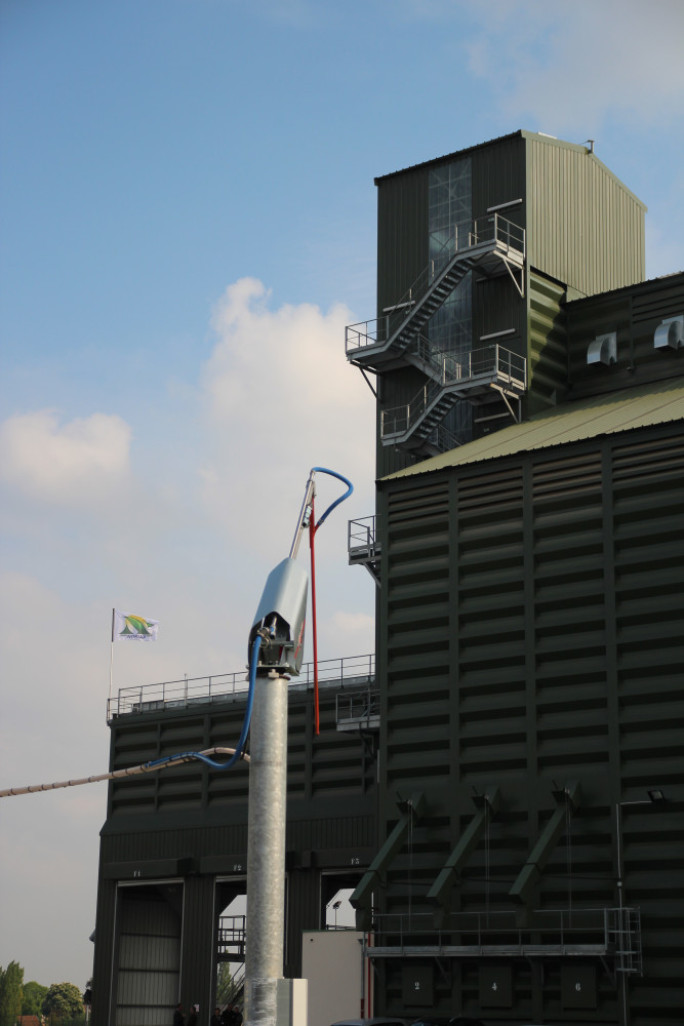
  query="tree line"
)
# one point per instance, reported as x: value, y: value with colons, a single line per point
x: 60, y: 1003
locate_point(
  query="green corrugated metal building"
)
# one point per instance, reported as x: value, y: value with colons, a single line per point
x: 528, y: 547
x: 477, y: 254
x: 173, y: 852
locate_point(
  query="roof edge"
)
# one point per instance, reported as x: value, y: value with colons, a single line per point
x: 609, y: 413
x: 521, y: 133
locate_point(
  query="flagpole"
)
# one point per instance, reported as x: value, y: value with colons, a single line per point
x: 111, y: 662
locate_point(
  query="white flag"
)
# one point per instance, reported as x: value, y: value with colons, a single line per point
x: 131, y: 627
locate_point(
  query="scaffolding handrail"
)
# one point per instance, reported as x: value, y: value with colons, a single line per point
x: 490, y: 229
x: 191, y: 691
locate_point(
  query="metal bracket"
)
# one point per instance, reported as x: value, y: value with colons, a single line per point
x: 521, y: 286
x: 516, y: 417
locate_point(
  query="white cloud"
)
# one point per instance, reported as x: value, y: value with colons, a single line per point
x: 54, y: 656
x: 357, y: 628
x: 65, y: 464
x: 572, y: 65
x: 281, y: 399
x: 56, y: 663
x: 292, y: 356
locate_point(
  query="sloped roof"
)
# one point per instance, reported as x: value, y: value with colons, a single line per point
x: 449, y: 156
x: 521, y: 133
x: 608, y: 414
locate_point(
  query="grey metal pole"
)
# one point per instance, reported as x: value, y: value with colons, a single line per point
x: 266, y: 850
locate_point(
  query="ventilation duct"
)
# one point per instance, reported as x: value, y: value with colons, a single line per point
x: 670, y: 333
x: 603, y: 349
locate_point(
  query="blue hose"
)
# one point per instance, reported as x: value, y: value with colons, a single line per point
x: 350, y: 489
x: 157, y: 763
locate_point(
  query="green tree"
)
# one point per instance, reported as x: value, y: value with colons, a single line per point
x: 63, y: 1001
x: 224, y: 983
x: 34, y: 995
x: 11, y: 983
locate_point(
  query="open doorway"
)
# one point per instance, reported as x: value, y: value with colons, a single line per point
x: 339, y: 914
x: 231, y: 903
x: 336, y: 889
x: 147, y: 952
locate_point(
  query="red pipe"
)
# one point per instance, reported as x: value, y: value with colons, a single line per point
x: 313, y: 527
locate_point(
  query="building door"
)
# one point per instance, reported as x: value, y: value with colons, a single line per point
x: 147, y: 959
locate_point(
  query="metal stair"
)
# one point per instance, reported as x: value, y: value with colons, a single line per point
x: 441, y: 288
x: 231, y: 938
x: 490, y: 244
x: 237, y: 986
x: 363, y: 545
x: 478, y: 377
x: 436, y: 403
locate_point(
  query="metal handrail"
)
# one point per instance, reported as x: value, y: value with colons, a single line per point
x: 464, y: 236
x: 358, y: 706
x: 443, y: 439
x: 232, y: 931
x: 606, y: 928
x: 202, y: 690
x: 362, y: 534
x: 454, y: 368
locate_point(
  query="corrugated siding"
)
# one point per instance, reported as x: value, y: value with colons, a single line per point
x: 417, y: 635
x: 191, y: 822
x: 498, y: 307
x: 547, y: 351
x: 584, y: 227
x: 634, y: 315
x: 649, y: 573
x: 498, y: 176
x: 534, y: 637
x: 489, y: 623
x: 649, y: 581
x: 199, y: 939
x: 659, y: 403
x: 402, y: 257
x: 650, y: 305
x: 402, y: 234
x: 148, y: 963
x: 396, y: 388
x: 145, y: 844
x: 104, y: 948
x: 318, y: 766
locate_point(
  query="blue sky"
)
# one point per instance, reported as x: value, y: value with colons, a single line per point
x: 187, y: 222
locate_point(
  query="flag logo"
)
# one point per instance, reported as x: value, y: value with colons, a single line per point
x: 131, y: 627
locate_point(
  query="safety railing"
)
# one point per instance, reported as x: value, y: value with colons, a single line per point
x: 360, y: 708
x: 237, y: 986
x: 361, y: 536
x: 189, y: 692
x: 595, y: 931
x: 495, y: 228
x: 443, y: 439
x: 231, y: 934
x: 499, y: 365
x: 487, y: 231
